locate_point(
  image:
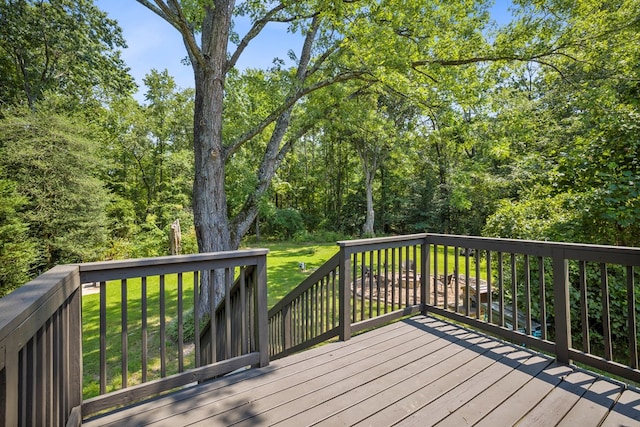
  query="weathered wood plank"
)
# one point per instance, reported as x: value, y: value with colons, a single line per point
x: 399, y: 402
x: 626, y: 412
x: 245, y: 399
x: 494, y: 395
x: 317, y: 402
x: 459, y: 396
x: 594, y: 405
x: 527, y: 397
x: 555, y: 405
x: 344, y: 400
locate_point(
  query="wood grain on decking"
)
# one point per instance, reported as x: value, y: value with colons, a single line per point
x: 418, y: 372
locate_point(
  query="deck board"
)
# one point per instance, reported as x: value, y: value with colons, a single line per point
x: 626, y: 412
x: 490, y: 398
x: 322, y: 402
x: 594, y: 405
x: 460, y: 396
x: 397, y: 372
x: 422, y: 389
x: 559, y: 401
x: 420, y: 371
x: 365, y: 367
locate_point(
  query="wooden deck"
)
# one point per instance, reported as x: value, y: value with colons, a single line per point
x: 420, y: 371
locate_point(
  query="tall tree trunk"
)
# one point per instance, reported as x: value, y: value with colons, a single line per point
x: 210, y: 62
x: 209, y: 196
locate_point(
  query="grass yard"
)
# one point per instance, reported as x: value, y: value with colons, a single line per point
x: 283, y: 265
x: 283, y: 274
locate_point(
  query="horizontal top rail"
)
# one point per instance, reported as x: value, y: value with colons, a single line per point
x: 110, y: 270
x: 351, y: 246
x: 44, y: 295
x: 578, y: 251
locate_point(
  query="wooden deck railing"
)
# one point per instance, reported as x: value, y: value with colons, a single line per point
x: 41, y: 339
x: 308, y: 315
x: 233, y: 329
x: 367, y: 283
x: 575, y: 301
x: 41, y: 351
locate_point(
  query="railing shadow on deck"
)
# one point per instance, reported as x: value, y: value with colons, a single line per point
x: 606, y: 399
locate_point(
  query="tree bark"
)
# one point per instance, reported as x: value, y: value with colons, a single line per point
x: 367, y: 229
x: 209, y: 195
x: 215, y: 231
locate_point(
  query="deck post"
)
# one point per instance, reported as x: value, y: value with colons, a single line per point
x: 562, y: 311
x: 75, y: 349
x: 9, y: 382
x: 425, y: 277
x: 345, y: 294
x: 261, y: 308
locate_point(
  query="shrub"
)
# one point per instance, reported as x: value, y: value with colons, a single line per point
x: 320, y: 236
x: 188, y: 327
x: 284, y: 223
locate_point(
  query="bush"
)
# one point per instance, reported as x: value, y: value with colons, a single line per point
x: 321, y: 236
x: 284, y: 223
x: 18, y: 253
x: 188, y: 327
x: 150, y: 241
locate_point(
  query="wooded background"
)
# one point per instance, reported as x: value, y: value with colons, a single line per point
x: 395, y: 117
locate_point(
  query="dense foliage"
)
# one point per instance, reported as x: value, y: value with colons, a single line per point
x: 394, y: 117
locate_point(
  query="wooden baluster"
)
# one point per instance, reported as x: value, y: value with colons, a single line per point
x: 631, y: 309
x: 196, y: 317
x: 124, y: 334
x: 606, y: 312
x: 501, y: 287
x: 103, y: 337
x: 180, y: 325
x: 144, y: 315
x: 562, y: 313
x: 543, y: 299
x: 527, y: 294
x: 163, y: 333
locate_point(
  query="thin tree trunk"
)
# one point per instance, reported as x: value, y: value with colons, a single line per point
x: 367, y: 229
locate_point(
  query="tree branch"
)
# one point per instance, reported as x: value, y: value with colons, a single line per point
x: 256, y: 28
x: 243, y: 220
x: 288, y: 103
x: 322, y: 58
x: 172, y: 13
x: 305, y: 56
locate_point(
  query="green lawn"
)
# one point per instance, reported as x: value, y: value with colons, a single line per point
x: 283, y: 274
x: 283, y: 271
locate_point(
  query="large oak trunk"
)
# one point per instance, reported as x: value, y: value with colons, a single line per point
x: 209, y: 196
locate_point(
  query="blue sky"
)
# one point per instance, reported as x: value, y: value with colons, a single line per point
x: 152, y: 43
